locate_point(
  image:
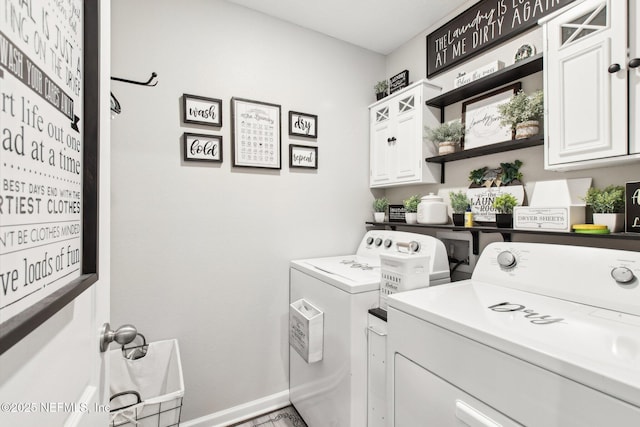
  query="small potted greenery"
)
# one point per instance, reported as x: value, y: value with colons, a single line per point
x: 607, y: 205
x: 379, y: 208
x: 504, y: 204
x: 446, y: 137
x: 523, y: 113
x: 459, y: 203
x: 411, y: 209
x: 381, y: 89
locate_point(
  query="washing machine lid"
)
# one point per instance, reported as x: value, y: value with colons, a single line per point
x: 351, y: 273
x: 593, y: 346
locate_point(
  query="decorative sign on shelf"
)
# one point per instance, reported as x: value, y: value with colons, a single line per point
x: 396, y: 213
x: 399, y: 81
x: 482, y: 26
x: 632, y: 207
x: 42, y: 152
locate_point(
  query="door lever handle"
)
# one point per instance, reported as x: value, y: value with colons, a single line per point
x: 123, y: 335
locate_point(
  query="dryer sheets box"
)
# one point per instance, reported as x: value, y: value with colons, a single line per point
x: 555, y: 206
x: 306, y: 329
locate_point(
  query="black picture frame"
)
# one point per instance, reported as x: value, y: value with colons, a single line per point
x: 256, y: 134
x: 201, y: 110
x: 485, y: 107
x: 198, y: 147
x: 303, y: 124
x: 19, y: 326
x: 303, y: 156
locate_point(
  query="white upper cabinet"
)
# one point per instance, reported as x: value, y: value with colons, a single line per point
x: 634, y: 76
x: 586, y: 77
x: 397, y: 146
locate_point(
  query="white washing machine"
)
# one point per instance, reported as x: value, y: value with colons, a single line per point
x: 333, y: 391
x: 541, y: 335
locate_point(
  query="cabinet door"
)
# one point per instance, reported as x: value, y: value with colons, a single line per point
x: 586, y: 105
x: 407, y: 146
x: 380, y: 156
x: 634, y: 77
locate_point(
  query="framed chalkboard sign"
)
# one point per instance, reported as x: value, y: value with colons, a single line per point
x: 482, y: 26
x: 399, y: 81
x: 632, y: 209
x: 396, y: 213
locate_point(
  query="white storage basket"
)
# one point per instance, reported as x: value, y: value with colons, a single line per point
x: 147, y: 391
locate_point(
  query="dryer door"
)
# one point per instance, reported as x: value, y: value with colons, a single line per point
x: 423, y: 399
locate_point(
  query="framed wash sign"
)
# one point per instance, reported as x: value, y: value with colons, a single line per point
x: 255, y: 134
x: 49, y: 168
x: 201, y: 110
x: 481, y: 118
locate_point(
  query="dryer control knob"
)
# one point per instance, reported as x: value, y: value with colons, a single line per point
x: 378, y: 241
x: 506, y: 259
x: 388, y: 243
x: 414, y: 246
x: 623, y: 275
x: 369, y: 240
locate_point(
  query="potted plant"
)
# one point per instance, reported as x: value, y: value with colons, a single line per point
x: 447, y: 136
x: 379, y: 208
x: 459, y: 203
x: 504, y: 204
x: 523, y: 113
x: 607, y: 205
x: 411, y: 209
x: 381, y: 89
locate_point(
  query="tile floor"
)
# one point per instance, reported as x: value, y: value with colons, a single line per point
x: 285, y: 417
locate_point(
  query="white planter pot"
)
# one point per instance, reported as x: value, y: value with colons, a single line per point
x: 378, y: 216
x: 527, y: 129
x: 614, y: 221
x: 447, y: 147
x: 411, y: 217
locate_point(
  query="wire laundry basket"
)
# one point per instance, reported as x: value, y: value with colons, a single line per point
x: 147, y: 386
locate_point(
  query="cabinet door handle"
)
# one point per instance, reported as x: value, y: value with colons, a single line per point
x: 634, y: 63
x: 614, y: 68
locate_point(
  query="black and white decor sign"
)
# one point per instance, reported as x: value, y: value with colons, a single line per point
x: 632, y: 207
x: 199, y: 147
x: 302, y: 124
x: 41, y: 155
x: 201, y: 110
x: 482, y: 26
x: 301, y: 156
x: 255, y: 133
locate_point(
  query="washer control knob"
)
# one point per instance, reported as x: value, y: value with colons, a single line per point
x: 623, y: 275
x: 378, y: 241
x: 506, y: 259
x: 369, y: 241
x: 388, y: 243
x: 414, y: 246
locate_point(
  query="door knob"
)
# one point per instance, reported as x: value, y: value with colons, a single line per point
x: 123, y: 335
x: 614, y: 68
x: 634, y: 63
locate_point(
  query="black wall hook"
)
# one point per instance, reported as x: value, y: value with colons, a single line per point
x: 147, y: 83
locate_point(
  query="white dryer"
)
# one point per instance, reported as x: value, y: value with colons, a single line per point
x: 541, y: 335
x: 333, y: 391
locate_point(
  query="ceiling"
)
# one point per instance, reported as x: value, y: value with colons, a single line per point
x: 378, y: 25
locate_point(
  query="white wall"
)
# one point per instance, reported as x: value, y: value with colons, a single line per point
x: 200, y: 252
x: 412, y: 56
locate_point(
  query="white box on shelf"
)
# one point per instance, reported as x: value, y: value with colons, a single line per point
x: 555, y: 206
x: 490, y: 68
x: 306, y: 330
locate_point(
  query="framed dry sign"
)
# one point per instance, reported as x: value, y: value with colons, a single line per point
x: 481, y: 118
x: 301, y: 124
x: 202, y: 111
x: 302, y: 156
x: 255, y: 134
x: 199, y: 147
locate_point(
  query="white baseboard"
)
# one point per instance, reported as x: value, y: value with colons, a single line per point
x: 242, y: 412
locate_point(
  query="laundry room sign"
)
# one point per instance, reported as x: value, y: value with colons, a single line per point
x: 41, y: 180
x: 632, y: 207
x: 483, y: 25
